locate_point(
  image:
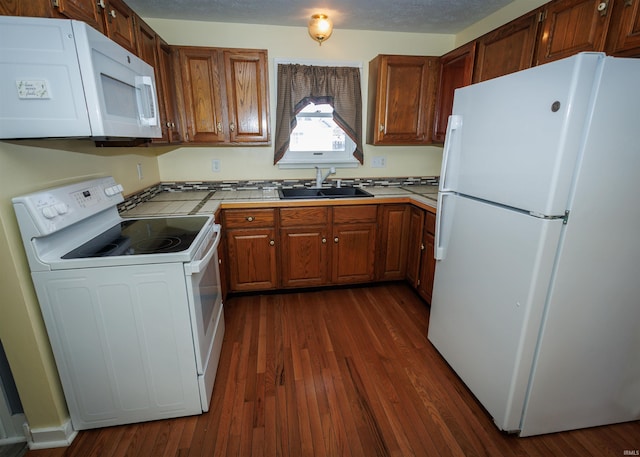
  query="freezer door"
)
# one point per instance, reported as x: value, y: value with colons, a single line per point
x: 488, y: 299
x: 514, y: 140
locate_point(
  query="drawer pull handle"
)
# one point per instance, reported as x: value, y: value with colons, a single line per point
x: 249, y: 218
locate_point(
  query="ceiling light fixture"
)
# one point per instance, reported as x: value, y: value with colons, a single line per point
x: 320, y: 27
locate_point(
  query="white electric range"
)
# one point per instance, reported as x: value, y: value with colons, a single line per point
x: 132, y: 307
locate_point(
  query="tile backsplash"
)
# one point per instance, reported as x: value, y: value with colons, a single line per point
x: 133, y: 200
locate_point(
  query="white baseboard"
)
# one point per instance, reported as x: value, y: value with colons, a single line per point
x: 44, y: 438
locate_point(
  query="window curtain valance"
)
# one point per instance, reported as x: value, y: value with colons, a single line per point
x: 298, y: 85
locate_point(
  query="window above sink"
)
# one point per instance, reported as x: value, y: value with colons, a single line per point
x: 318, y: 140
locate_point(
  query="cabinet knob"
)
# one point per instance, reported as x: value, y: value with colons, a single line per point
x: 219, y: 125
x: 101, y: 4
x: 381, y: 128
x: 232, y: 127
x: 602, y: 8
x: 112, y: 13
x: 249, y: 218
x: 272, y: 243
x: 422, y: 248
x: 335, y: 240
x: 324, y: 240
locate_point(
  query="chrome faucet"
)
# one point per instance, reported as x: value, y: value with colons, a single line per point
x: 320, y: 179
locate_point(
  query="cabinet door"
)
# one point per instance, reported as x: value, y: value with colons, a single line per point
x: 572, y: 26
x: 391, y: 261
x: 401, y: 92
x: 428, y: 262
x: 169, y: 98
x: 88, y: 11
x: 120, y: 24
x: 202, y: 96
x: 353, y: 253
x: 507, y: 49
x: 624, y: 30
x: 304, y: 246
x: 354, y: 241
x: 456, y: 70
x: 304, y: 259
x: 414, y: 241
x: 251, y: 259
x: 247, y: 96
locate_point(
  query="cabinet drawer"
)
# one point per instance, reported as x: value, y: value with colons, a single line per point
x: 354, y: 214
x: 249, y: 218
x: 290, y: 217
x: 430, y: 222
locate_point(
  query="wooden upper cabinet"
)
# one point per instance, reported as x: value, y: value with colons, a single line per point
x: 88, y: 11
x: 157, y: 53
x: 119, y: 24
x: 224, y: 95
x: 247, y: 95
x: 400, y: 103
x: 507, y: 49
x: 456, y: 70
x: 572, y: 26
x: 111, y: 17
x: 169, y: 104
x: 201, y: 94
x: 623, y: 38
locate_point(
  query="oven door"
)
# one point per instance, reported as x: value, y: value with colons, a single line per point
x: 205, y: 307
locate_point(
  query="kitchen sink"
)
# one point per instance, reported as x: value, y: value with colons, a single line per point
x: 331, y: 192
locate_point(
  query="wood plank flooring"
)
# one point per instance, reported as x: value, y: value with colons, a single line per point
x: 341, y: 372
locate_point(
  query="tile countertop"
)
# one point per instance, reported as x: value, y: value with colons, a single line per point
x: 198, y: 202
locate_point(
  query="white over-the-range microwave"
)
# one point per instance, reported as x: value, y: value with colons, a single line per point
x: 60, y: 78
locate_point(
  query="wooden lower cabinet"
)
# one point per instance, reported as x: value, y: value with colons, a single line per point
x: 421, y: 263
x: 428, y: 262
x: 251, y: 249
x: 391, y: 252
x: 327, y: 245
x: 315, y: 246
x: 304, y: 246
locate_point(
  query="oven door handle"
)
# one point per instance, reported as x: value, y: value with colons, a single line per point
x: 199, y: 265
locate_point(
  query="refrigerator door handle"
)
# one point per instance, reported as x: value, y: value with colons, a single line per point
x: 455, y: 123
x: 442, y: 211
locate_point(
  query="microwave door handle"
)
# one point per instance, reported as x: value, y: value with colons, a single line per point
x: 148, y: 100
x: 198, y: 265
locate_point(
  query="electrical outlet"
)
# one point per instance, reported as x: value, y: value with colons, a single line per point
x: 379, y: 162
x: 215, y: 165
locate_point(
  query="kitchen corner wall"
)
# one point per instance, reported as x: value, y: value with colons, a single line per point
x: 26, y: 166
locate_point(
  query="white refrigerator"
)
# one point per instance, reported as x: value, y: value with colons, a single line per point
x: 536, y: 301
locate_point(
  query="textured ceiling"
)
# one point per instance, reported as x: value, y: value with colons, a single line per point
x: 422, y: 16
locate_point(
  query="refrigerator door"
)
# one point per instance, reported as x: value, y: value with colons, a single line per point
x: 488, y: 298
x: 588, y: 366
x: 514, y: 140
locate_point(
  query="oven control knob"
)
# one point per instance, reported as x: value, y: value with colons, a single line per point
x: 61, y: 208
x: 49, y: 212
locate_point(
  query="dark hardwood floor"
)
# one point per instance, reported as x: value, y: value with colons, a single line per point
x: 341, y: 372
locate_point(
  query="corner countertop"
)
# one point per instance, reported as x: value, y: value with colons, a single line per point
x: 199, y: 202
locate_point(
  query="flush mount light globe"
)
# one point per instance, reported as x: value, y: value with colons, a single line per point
x: 320, y: 27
